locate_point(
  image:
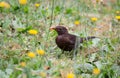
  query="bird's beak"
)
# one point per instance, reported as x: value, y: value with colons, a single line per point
x: 52, y: 28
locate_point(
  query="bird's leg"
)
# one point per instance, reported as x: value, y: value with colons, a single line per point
x: 62, y: 51
x: 73, y: 54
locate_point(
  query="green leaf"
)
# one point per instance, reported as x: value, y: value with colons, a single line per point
x: 98, y: 64
x: 23, y: 30
x: 69, y: 11
x: 93, y: 57
x: 16, y: 8
x: 26, y: 9
x: 28, y: 72
x: 58, y: 9
x: 9, y: 71
x: 84, y: 68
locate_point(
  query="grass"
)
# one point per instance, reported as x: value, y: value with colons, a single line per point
x: 16, y: 42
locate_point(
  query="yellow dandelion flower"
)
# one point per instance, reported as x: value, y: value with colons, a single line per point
x: 117, y: 17
x: 37, y: 5
x: 4, y: 4
x: 23, y: 2
x: 70, y: 75
x: 32, y: 32
x: 94, y: 19
x: 95, y: 29
x: 1, y: 4
x: 96, y: 71
x: 117, y: 12
x: 23, y: 64
x: 43, y: 74
x: 31, y: 54
x: 77, y: 22
x: 41, y: 52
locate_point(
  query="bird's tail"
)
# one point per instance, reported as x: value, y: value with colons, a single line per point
x: 86, y: 38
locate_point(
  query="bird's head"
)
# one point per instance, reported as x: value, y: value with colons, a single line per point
x: 60, y: 30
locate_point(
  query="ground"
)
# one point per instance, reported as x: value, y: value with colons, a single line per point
x: 28, y: 49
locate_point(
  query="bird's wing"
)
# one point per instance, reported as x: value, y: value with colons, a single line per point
x: 66, y: 39
x: 69, y: 39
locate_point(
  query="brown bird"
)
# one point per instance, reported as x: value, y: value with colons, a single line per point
x: 66, y: 41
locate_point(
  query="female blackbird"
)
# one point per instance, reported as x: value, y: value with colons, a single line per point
x: 66, y: 41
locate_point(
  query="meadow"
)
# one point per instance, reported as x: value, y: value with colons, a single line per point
x: 28, y: 48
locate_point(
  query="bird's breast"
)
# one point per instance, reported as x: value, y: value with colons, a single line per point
x: 63, y: 44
